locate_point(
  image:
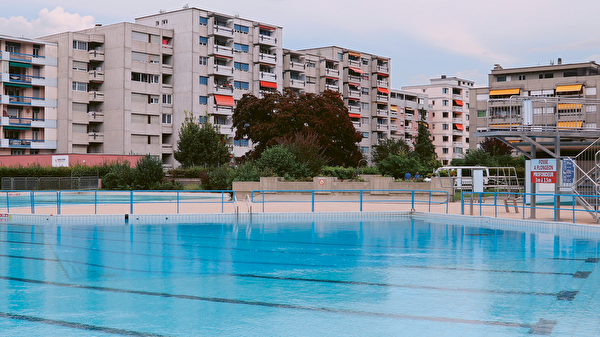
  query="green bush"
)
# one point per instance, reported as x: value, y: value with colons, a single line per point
x: 217, y: 179
x: 148, y: 173
x: 340, y: 172
x: 119, y: 177
x: 247, y: 172
x: 280, y: 161
x: 397, y: 165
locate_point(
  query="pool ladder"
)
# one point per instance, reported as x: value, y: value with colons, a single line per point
x: 237, y: 206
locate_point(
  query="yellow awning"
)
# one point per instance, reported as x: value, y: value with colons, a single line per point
x: 394, y: 108
x: 503, y: 126
x: 570, y: 124
x: 569, y: 106
x: 568, y: 88
x: 505, y: 92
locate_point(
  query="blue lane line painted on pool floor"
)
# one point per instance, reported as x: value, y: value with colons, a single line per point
x: 542, y: 327
x: 79, y: 326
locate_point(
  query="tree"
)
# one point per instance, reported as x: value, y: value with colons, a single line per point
x: 201, y: 145
x: 424, y: 149
x: 148, y: 173
x: 397, y: 165
x: 387, y: 147
x: 495, y: 147
x: 267, y: 120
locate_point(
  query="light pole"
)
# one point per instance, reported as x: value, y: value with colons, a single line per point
x: 358, y: 167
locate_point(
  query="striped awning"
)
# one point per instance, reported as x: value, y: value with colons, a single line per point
x: 569, y: 106
x: 505, y: 92
x: 569, y: 88
x: 353, y: 54
x: 394, y: 108
x: 570, y: 124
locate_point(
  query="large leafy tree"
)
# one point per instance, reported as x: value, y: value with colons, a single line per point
x: 201, y: 145
x: 495, y: 147
x: 388, y: 147
x: 266, y: 121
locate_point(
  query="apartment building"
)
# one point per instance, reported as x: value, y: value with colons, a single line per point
x: 28, y: 96
x: 405, y: 114
x: 538, y: 105
x: 449, y: 115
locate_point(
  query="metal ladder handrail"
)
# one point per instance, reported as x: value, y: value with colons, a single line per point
x: 249, y: 203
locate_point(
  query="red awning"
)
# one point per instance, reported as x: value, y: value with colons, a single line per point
x: 354, y: 115
x: 356, y: 70
x: 354, y: 98
x: 332, y: 78
x: 457, y: 102
x: 384, y: 75
x: 383, y: 90
x: 224, y: 100
x: 266, y: 84
x: 266, y: 27
x: 223, y: 57
x: 459, y: 126
x: 354, y: 84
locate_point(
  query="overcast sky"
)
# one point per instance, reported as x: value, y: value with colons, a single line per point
x: 425, y: 38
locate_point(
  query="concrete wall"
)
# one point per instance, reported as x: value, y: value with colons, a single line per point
x: 74, y: 159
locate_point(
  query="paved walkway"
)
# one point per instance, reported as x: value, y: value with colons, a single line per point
x: 327, y: 203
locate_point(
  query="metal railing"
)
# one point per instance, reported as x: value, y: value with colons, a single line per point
x: 359, y: 197
x: 526, y: 203
x: 54, y: 202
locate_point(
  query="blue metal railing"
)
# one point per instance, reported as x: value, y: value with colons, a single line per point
x: 523, y: 201
x: 29, y: 201
x: 411, y: 197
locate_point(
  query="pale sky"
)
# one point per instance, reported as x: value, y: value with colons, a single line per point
x: 425, y: 38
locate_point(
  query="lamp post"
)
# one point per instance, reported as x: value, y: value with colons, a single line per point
x: 358, y: 167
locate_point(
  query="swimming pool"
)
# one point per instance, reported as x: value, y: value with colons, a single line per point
x: 295, y: 275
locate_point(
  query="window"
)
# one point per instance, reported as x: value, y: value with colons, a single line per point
x: 203, y: 21
x: 143, y: 57
x: 80, y: 45
x: 546, y: 75
x: 481, y: 113
x: 203, y: 100
x: 144, y: 37
x: 365, y: 135
x: 203, y: 60
x: 241, y: 47
x: 203, y: 80
x: 203, y: 41
x: 500, y: 78
x: 444, y: 90
x: 365, y: 91
x: 432, y: 126
x: 146, y: 78
x: 521, y: 78
x: 444, y: 138
x: 164, y: 22
x: 365, y: 62
x: 444, y: 126
x: 311, y: 80
x: 167, y: 118
x: 445, y: 150
x: 340, y: 56
x: 241, y: 85
x: 153, y: 99
x: 364, y: 120
x: 240, y: 142
x: 79, y: 86
x: 241, y: 29
x: 365, y: 106
x: 79, y: 66
x: 311, y: 64
x: 167, y: 99
x: 444, y: 115
x: 445, y: 102
x: 265, y: 32
x: 241, y: 66
x: 365, y: 77
x: 17, y: 152
x: 364, y: 150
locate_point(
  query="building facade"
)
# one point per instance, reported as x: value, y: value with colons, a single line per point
x: 449, y: 115
x: 28, y: 96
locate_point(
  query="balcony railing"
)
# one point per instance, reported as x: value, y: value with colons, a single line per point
x: 457, y: 132
x: 457, y: 120
x: 23, y: 142
x: 383, y: 68
x: 223, y: 31
x: 354, y: 78
x: 20, y: 121
x: 223, y: 110
x: 223, y: 50
x: 95, y: 117
x: 332, y: 72
x: 356, y: 125
x: 223, y: 89
x: 97, y: 55
x: 383, y: 83
x: 95, y: 137
x: 332, y: 87
x: 96, y: 76
x: 223, y: 70
x: 299, y: 66
x: 22, y: 99
x: 382, y: 98
x: 382, y: 112
x: 17, y: 78
x: 265, y: 39
x: 394, y: 127
x: 96, y: 96
x: 457, y: 144
x: 380, y: 127
x: 457, y: 108
x: 267, y: 76
x: 270, y: 58
x: 354, y: 63
x: 394, y: 114
x: 354, y: 93
x: 22, y: 57
x: 297, y: 83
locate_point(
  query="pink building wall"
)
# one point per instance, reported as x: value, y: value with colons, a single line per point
x: 74, y: 159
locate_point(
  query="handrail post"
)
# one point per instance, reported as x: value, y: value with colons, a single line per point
x: 430, y: 201
x: 361, y: 200
x: 32, y: 202
x: 313, y: 201
x: 524, y: 197
x: 7, y: 203
x: 131, y: 202
x: 222, y: 201
x: 177, y: 202
x: 496, y: 204
x: 263, y: 200
x: 95, y: 202
x: 57, y: 202
x: 462, y: 204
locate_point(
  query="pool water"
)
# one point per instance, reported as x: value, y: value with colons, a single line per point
x: 380, y: 277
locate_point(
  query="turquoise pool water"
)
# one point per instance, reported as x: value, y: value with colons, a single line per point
x: 369, y: 277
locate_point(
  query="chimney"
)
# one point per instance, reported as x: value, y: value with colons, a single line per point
x: 443, y: 76
x: 560, y: 60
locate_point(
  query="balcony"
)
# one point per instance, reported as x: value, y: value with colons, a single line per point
x: 383, y: 83
x: 167, y: 148
x: 268, y: 58
x: 22, y: 100
x: 383, y: 68
x: 96, y: 96
x: 455, y: 96
x: 354, y: 93
x: 383, y: 98
x: 223, y: 70
x: 95, y: 117
x: 457, y: 120
x: 18, y: 57
x: 457, y: 156
x: 223, y: 50
x: 332, y: 87
x: 354, y: 78
x: 457, y: 108
x: 96, y: 56
x: 268, y: 40
x: 356, y: 125
x: 297, y: 66
x: 354, y: 109
x: 457, y: 144
x: 226, y: 130
x: 223, y: 89
x: 380, y: 127
x: 332, y: 72
x: 297, y: 84
x: 354, y: 63
x: 394, y: 114
x: 223, y: 31
x: 457, y: 132
x: 394, y: 127
x: 223, y: 110
x: 382, y: 112
x: 95, y: 137
x: 96, y: 76
x: 167, y: 69
x: 267, y: 76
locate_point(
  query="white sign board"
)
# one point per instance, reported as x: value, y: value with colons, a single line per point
x: 60, y: 161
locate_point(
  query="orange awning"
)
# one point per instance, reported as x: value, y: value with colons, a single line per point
x: 459, y: 126
x: 383, y: 90
x: 354, y: 115
x: 223, y: 57
x: 266, y: 27
x: 458, y: 102
x: 505, y: 92
x: 353, y: 54
x: 266, y: 84
x: 382, y: 74
x: 354, y: 98
x: 224, y: 100
x: 332, y: 78
x: 394, y: 108
x: 354, y: 84
x: 356, y: 70
x: 569, y: 88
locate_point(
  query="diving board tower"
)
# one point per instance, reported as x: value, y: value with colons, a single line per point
x: 546, y: 112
